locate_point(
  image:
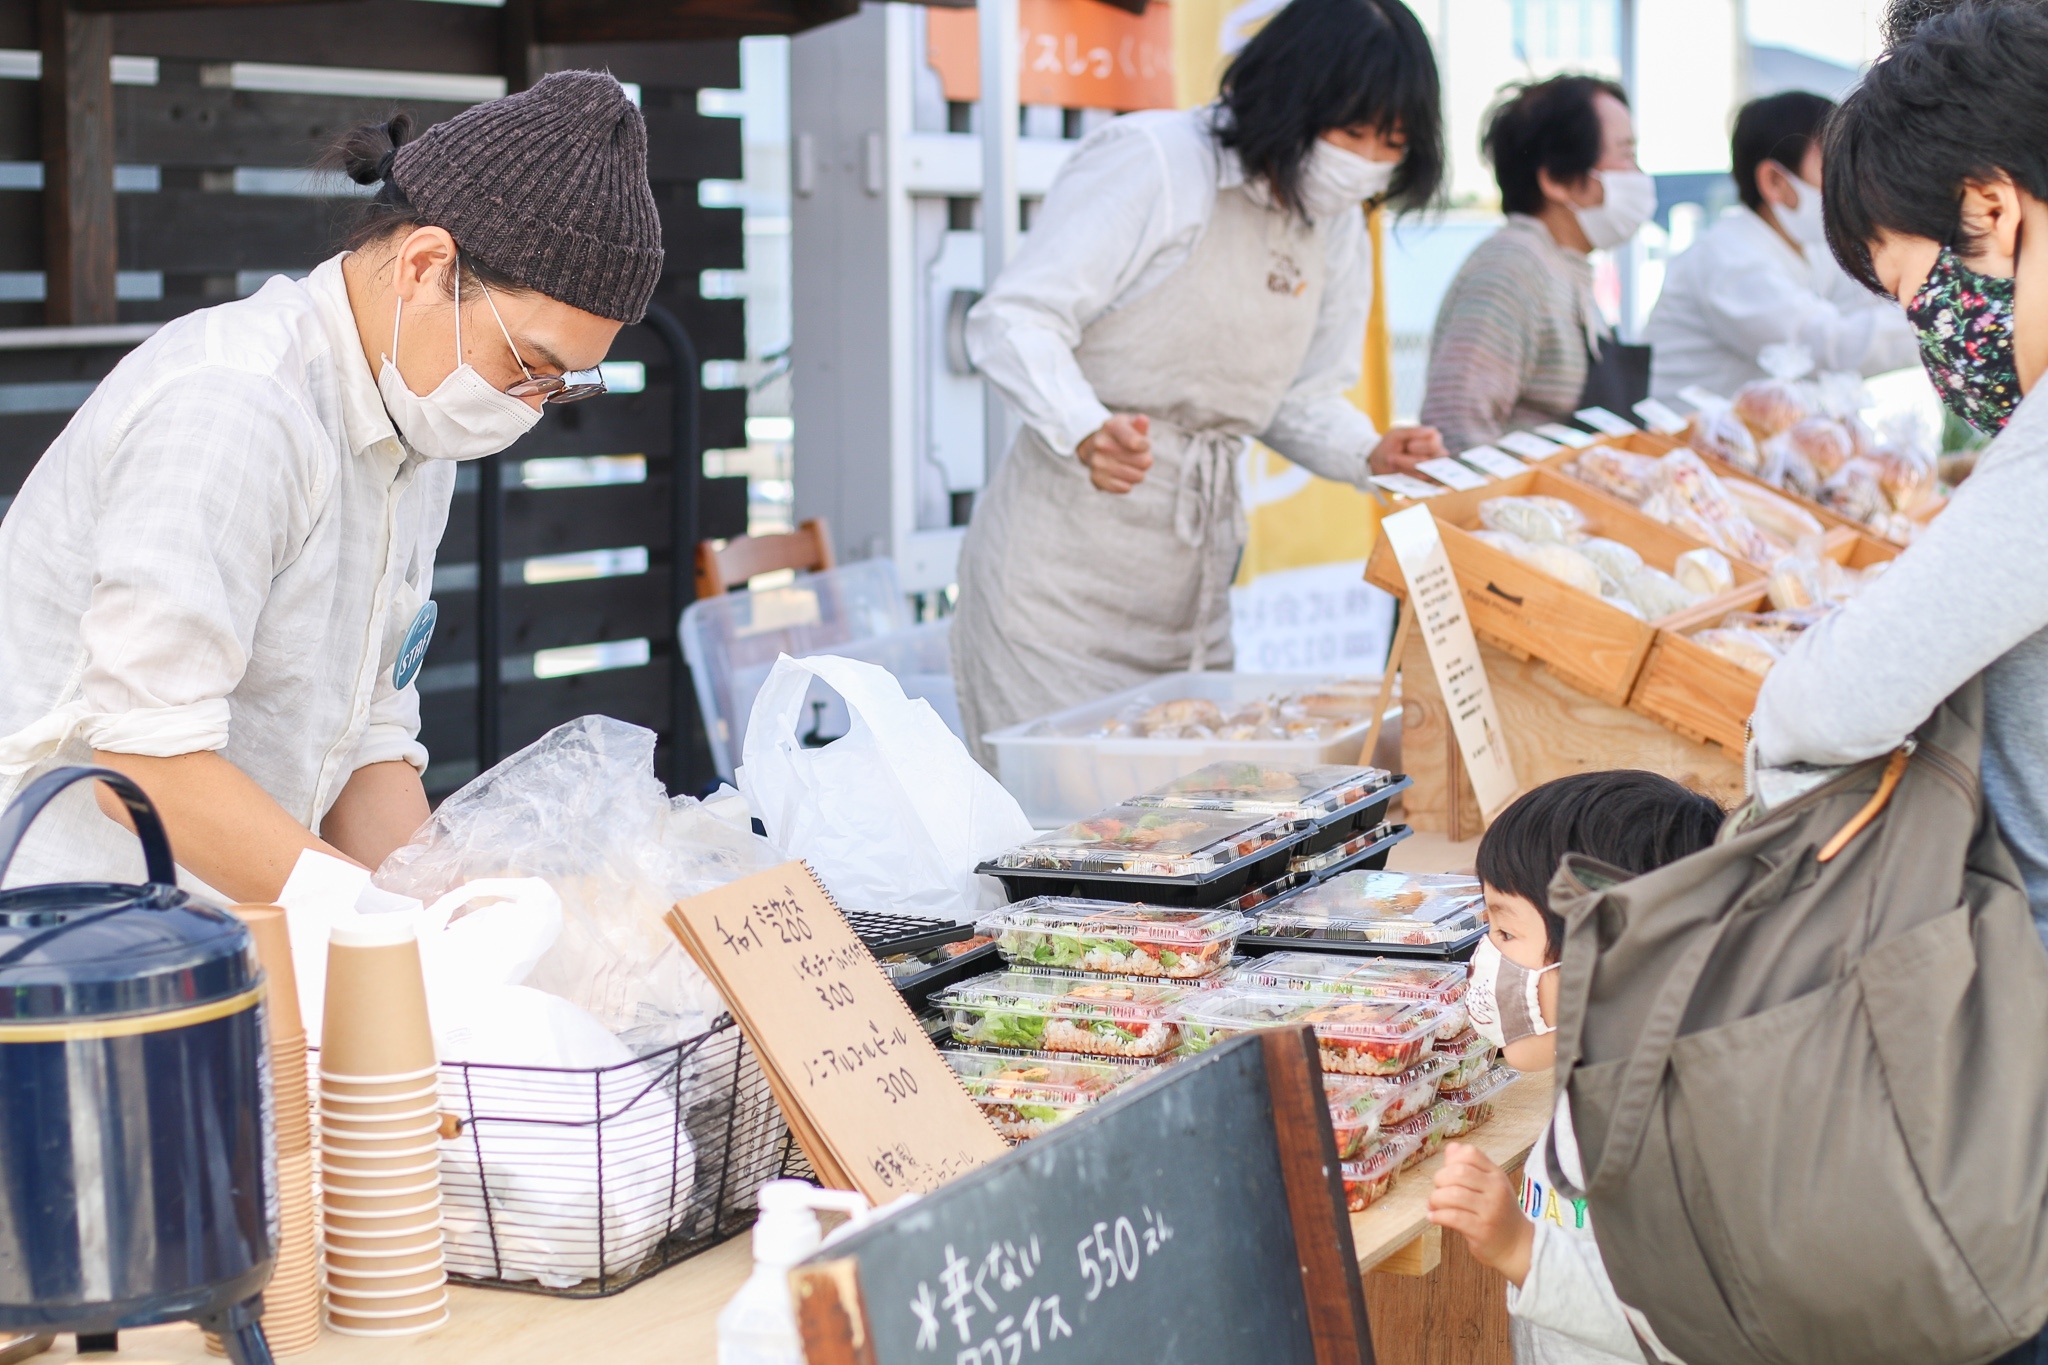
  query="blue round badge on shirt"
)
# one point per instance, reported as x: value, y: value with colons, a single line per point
x: 414, y: 652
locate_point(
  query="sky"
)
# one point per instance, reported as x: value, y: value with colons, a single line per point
x: 1842, y: 31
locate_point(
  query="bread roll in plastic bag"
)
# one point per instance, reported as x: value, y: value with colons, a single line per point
x: 1825, y: 442
x: 1657, y: 593
x: 1616, y: 562
x: 1781, y: 628
x: 1705, y: 572
x: 1688, y: 485
x: 1621, y: 473
x: 1533, y: 518
x: 1567, y: 565
x: 1856, y: 491
x: 1720, y: 433
x: 1777, y: 517
x: 1769, y: 406
x: 1908, y: 469
x: 1744, y: 647
x: 1786, y: 466
x: 1620, y: 602
x: 1504, y: 541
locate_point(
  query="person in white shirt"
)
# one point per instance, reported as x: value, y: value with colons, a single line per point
x: 1193, y: 279
x: 1763, y: 274
x: 1562, y: 1307
x: 217, y: 578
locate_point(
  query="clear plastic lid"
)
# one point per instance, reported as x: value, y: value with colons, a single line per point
x: 1116, y: 938
x: 1372, y: 978
x: 1297, y: 793
x: 1379, y: 907
x: 1024, y: 1011
x: 1151, y: 842
x: 1356, y: 1037
x: 1381, y: 1158
x: 1469, y: 1054
x: 1356, y: 1110
x: 1486, y: 1086
x: 1407, y: 1093
x: 1000, y: 1076
x: 1350, y: 848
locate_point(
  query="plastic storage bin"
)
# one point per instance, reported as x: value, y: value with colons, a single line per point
x: 1116, y: 938
x: 858, y: 612
x: 1062, y: 766
x: 1027, y: 1097
x: 1164, y: 857
x: 1022, y: 1011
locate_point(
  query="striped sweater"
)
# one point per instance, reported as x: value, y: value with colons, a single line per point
x: 1509, y: 351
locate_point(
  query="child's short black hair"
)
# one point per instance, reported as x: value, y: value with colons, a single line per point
x: 1634, y: 820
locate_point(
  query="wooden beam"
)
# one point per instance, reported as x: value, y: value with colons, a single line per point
x: 519, y: 55
x: 79, y: 240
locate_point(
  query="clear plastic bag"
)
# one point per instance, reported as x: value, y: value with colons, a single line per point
x: 1856, y: 491
x: 1535, y: 519
x: 1623, y: 474
x: 1769, y: 406
x: 1656, y: 593
x: 1720, y: 433
x: 1704, y: 572
x: 1745, y: 648
x: 1691, y: 497
x: 1616, y: 562
x: 1565, y: 564
x: 581, y: 809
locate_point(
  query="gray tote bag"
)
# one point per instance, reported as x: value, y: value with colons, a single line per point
x: 1808, y: 1069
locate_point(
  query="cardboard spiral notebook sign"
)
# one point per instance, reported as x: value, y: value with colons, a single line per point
x: 872, y: 1103
x: 1195, y: 1218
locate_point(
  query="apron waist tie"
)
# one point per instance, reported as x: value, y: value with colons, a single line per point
x: 1206, y: 506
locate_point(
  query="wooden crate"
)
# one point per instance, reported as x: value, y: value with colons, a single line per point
x: 1691, y: 689
x: 1596, y: 647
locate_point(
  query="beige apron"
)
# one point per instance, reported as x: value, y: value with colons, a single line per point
x: 1067, y: 592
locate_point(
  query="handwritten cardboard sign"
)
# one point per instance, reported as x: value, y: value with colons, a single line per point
x: 1439, y: 607
x: 873, y: 1104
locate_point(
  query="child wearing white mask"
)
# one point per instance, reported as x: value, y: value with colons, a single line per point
x: 1562, y: 1307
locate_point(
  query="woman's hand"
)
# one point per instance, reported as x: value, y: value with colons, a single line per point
x: 1403, y: 448
x: 1472, y: 1196
x: 1117, y: 454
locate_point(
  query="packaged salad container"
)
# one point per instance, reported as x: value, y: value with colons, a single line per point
x: 1371, y: 978
x: 1027, y: 1097
x: 1354, y: 1037
x: 1406, y: 1094
x: 1371, y: 1174
x: 1470, y: 1055
x: 1357, y: 1109
x: 1430, y: 1129
x: 1389, y: 912
x: 1319, y: 792
x: 1162, y: 856
x: 1116, y: 938
x: 1474, y: 1101
x: 1026, y: 1012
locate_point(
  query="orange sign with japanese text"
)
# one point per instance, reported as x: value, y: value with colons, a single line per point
x: 1075, y: 54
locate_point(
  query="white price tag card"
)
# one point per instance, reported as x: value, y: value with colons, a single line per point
x: 1702, y: 398
x: 1451, y: 474
x: 1528, y: 445
x: 1498, y: 463
x: 1408, y: 486
x: 1439, y: 607
x: 1613, y: 423
x: 1659, y: 417
x: 1574, y: 437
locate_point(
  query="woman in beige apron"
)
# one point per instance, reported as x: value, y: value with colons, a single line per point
x: 1194, y: 278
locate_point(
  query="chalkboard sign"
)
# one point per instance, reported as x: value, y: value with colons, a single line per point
x: 1196, y: 1219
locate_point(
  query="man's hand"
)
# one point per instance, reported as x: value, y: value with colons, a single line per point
x: 1117, y: 454
x: 1472, y: 1196
x: 1403, y: 448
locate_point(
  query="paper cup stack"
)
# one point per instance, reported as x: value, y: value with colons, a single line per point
x: 380, y: 1166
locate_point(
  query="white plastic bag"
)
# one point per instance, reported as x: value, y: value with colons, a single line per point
x: 893, y: 815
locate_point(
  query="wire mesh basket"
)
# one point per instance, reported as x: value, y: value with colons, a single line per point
x: 581, y: 1182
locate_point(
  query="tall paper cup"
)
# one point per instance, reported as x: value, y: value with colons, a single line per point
x: 375, y: 1026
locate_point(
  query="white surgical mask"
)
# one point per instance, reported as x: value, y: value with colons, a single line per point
x: 1631, y: 202
x: 464, y: 418
x: 1802, y: 222
x: 1333, y: 180
x: 1501, y: 998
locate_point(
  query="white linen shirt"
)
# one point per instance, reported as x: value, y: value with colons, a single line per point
x: 1741, y: 287
x: 1123, y: 214
x: 222, y: 551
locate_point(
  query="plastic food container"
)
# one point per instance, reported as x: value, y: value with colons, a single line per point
x: 1022, y: 1011
x: 1430, y: 1129
x: 1319, y: 793
x: 1026, y: 1097
x: 1371, y: 978
x: 1470, y: 1056
x: 1337, y: 855
x: 1354, y: 1037
x: 1372, y: 1174
x: 1407, y: 1094
x: 1474, y: 1102
x: 1061, y: 766
x: 1162, y: 856
x: 1394, y: 911
x: 1116, y: 938
x: 1356, y: 1111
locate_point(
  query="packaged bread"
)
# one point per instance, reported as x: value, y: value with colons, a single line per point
x: 1616, y: 562
x: 1687, y: 486
x: 1825, y: 442
x: 1777, y: 517
x: 1909, y: 476
x: 1622, y: 473
x: 1856, y: 491
x: 1705, y: 572
x: 1565, y: 564
x: 1770, y: 406
x: 1719, y: 432
x: 1656, y: 593
x: 1742, y: 647
x: 1533, y: 518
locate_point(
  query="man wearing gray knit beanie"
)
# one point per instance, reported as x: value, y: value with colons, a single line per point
x: 217, y: 579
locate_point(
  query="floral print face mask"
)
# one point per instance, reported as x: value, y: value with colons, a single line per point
x: 1965, y: 324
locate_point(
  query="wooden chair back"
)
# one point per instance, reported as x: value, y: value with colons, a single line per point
x: 728, y: 564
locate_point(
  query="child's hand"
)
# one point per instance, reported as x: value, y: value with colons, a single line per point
x: 1472, y: 1196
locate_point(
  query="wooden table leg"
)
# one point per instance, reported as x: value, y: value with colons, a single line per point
x: 1457, y: 1314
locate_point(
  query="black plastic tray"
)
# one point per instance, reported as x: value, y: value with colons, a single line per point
x: 917, y: 990
x: 885, y: 934
x: 1457, y: 950
x: 1212, y: 889
x: 1341, y: 825
x: 1371, y: 858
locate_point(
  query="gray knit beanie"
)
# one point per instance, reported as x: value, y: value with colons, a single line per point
x: 548, y: 186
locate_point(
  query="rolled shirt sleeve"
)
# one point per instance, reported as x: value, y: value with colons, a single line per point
x: 1483, y: 354
x: 1317, y: 426
x: 191, y: 534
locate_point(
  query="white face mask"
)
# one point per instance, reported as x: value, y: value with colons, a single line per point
x: 1802, y: 222
x: 1501, y: 998
x: 1631, y: 202
x: 464, y: 418
x: 1333, y: 180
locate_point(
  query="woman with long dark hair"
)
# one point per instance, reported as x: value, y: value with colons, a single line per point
x: 1194, y: 278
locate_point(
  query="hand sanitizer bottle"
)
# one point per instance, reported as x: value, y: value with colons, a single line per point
x: 758, y: 1327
